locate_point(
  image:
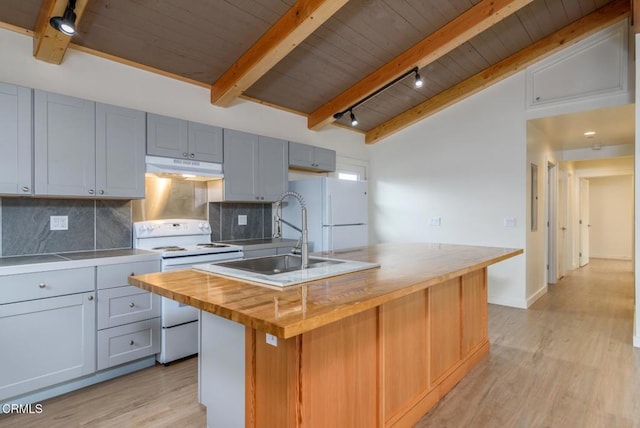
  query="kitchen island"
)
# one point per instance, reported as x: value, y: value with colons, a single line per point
x: 377, y: 347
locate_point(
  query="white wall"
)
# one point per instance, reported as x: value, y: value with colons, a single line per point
x: 90, y: 77
x: 636, y: 327
x: 611, y: 217
x: 464, y: 165
x: 541, y: 154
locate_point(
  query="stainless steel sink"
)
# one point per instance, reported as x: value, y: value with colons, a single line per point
x: 284, y: 270
x: 273, y: 265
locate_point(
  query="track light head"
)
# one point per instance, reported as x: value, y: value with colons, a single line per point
x: 66, y: 23
x: 354, y: 121
x: 418, y: 82
x: 338, y: 115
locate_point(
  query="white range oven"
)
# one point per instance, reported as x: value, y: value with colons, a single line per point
x: 181, y: 243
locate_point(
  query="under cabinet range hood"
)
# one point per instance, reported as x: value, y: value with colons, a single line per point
x: 183, y: 168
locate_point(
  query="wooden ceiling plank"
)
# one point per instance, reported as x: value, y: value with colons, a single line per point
x: 460, y: 30
x: 290, y: 30
x: 567, y: 36
x: 49, y: 44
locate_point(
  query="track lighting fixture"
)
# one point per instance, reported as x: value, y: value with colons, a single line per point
x: 354, y: 122
x: 418, y: 82
x: 66, y: 23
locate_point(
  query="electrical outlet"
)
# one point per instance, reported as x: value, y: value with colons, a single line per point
x: 509, y: 222
x: 435, y: 221
x: 242, y: 220
x: 59, y: 222
x: 272, y: 340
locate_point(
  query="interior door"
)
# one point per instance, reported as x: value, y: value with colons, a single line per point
x: 584, y: 222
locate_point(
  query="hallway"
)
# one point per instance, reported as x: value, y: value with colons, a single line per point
x: 568, y: 361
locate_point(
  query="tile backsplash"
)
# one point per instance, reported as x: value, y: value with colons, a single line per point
x: 92, y: 225
x: 225, y: 225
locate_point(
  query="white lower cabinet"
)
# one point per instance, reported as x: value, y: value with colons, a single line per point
x: 46, y: 341
x: 128, y: 317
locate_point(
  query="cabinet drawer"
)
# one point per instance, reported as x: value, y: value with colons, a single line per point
x: 30, y: 286
x: 116, y: 275
x: 128, y: 342
x: 124, y: 305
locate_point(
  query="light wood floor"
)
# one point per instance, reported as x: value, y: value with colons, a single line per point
x: 566, y: 362
x: 155, y: 397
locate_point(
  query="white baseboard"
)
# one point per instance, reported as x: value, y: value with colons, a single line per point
x: 507, y: 301
x: 609, y: 257
x: 535, y: 296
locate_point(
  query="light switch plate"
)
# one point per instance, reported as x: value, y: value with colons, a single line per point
x: 59, y: 222
x: 242, y: 220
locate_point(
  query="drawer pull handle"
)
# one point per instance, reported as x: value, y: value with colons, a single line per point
x: 131, y: 342
x: 131, y: 305
x: 42, y: 285
x: 90, y: 298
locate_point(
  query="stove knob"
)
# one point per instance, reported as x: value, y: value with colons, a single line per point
x: 203, y: 226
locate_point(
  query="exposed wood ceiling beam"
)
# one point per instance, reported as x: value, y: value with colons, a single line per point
x: 50, y: 44
x: 464, y: 27
x: 291, y: 29
x: 605, y: 16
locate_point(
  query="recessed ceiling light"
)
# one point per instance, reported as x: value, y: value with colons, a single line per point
x: 590, y: 133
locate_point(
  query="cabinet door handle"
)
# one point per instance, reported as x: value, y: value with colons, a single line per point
x: 192, y: 155
x: 42, y: 285
x: 131, y: 305
x: 131, y: 342
x: 90, y: 298
x: 91, y: 191
x: 102, y: 192
x: 25, y: 189
x: 184, y: 155
x: 132, y: 274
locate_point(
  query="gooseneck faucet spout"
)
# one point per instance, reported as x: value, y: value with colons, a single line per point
x: 304, y: 246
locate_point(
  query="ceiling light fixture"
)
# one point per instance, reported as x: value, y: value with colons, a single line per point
x: 66, y: 23
x: 354, y: 122
x: 590, y: 133
x: 418, y: 82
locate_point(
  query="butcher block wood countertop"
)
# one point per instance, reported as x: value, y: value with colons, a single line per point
x: 288, y: 312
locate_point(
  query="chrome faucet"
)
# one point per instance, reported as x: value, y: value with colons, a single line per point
x: 304, y: 239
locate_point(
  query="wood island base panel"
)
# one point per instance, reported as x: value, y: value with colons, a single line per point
x: 376, y: 348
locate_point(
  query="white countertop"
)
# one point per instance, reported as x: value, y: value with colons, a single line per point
x: 38, y: 263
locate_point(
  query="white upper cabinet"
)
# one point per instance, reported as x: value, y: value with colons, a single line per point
x: 15, y: 140
x: 255, y: 168
x: 177, y: 138
x: 64, y: 145
x: 86, y: 149
x: 120, y: 150
x: 303, y: 156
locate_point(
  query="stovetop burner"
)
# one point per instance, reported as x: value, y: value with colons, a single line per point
x: 170, y: 248
x: 212, y: 245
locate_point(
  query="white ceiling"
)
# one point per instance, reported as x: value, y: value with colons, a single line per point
x: 613, y: 126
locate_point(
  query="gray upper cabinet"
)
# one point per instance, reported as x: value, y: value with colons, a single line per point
x: 64, y: 145
x: 205, y: 142
x: 255, y: 167
x: 120, y: 150
x: 311, y: 158
x: 15, y: 140
x: 85, y: 149
x: 177, y: 138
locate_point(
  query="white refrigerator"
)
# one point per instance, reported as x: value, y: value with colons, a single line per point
x: 336, y: 213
